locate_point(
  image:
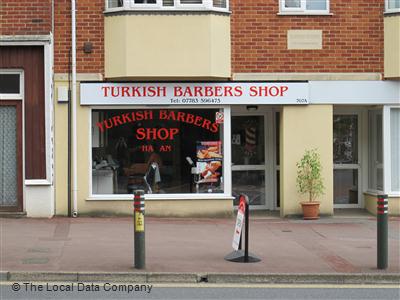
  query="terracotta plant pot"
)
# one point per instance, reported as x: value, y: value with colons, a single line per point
x: 310, y: 210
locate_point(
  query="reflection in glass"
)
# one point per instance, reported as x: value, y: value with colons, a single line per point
x: 375, y: 151
x: 293, y: 3
x: 345, y: 186
x: 316, y: 5
x: 149, y: 149
x: 248, y: 140
x: 277, y: 137
x: 278, y: 188
x: 251, y: 183
x: 393, y: 4
x: 345, y: 139
x: 9, y: 84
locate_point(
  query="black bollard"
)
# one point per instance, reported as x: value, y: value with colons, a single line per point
x: 382, y: 232
x: 140, y: 250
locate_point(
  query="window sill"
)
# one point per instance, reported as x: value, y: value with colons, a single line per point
x: 304, y: 14
x: 376, y: 193
x: 390, y: 13
x: 37, y: 182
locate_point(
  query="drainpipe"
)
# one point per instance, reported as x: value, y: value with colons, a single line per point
x: 74, y: 123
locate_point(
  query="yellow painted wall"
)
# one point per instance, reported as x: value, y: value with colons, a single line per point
x: 370, y: 204
x: 392, y: 46
x: 168, y: 45
x: 61, y: 154
x: 178, y: 208
x: 305, y: 127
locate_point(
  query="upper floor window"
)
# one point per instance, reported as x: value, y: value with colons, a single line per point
x: 304, y: 6
x: 219, y: 5
x: 392, y: 6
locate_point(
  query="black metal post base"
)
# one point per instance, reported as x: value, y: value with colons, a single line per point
x: 240, y: 257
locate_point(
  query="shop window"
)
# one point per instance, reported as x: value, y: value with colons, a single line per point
x: 375, y: 151
x: 161, y: 151
x: 304, y: 6
x: 395, y: 149
x: 392, y: 6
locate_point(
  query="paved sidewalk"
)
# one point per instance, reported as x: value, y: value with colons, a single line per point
x: 344, y: 244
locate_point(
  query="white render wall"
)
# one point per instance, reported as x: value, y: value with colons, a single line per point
x: 39, y: 201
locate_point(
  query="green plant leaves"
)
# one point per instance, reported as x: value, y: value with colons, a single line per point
x: 309, y: 180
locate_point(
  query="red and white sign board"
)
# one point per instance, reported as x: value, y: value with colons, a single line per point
x: 239, y: 223
x: 200, y: 93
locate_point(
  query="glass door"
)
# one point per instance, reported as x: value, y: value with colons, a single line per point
x: 248, y: 159
x: 346, y: 159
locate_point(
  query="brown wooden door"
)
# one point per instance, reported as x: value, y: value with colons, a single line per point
x: 10, y: 155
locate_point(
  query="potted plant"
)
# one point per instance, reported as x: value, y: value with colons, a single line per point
x: 309, y: 182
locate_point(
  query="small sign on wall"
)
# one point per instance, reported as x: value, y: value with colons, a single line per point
x: 304, y: 39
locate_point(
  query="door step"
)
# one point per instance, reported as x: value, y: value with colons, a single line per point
x: 12, y: 214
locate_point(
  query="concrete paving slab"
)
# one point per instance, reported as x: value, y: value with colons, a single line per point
x: 195, y: 246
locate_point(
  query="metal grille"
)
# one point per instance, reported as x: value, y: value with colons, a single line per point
x: 8, y: 156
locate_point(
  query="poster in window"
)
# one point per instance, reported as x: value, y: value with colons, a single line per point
x: 209, y: 160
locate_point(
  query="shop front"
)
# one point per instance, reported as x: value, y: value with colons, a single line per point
x: 194, y: 147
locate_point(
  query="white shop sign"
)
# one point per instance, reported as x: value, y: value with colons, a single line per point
x: 217, y: 93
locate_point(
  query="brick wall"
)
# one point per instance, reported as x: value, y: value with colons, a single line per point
x: 352, y: 38
x: 23, y: 17
x: 90, y: 28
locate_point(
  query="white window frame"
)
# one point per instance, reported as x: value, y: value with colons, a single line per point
x: 302, y: 10
x: 134, y: 5
x: 373, y: 139
x: 227, y: 158
x: 390, y: 10
x: 387, y: 152
x: 15, y: 96
x: 202, y: 5
x: 206, y: 5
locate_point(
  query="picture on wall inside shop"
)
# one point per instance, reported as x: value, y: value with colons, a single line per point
x: 149, y: 150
